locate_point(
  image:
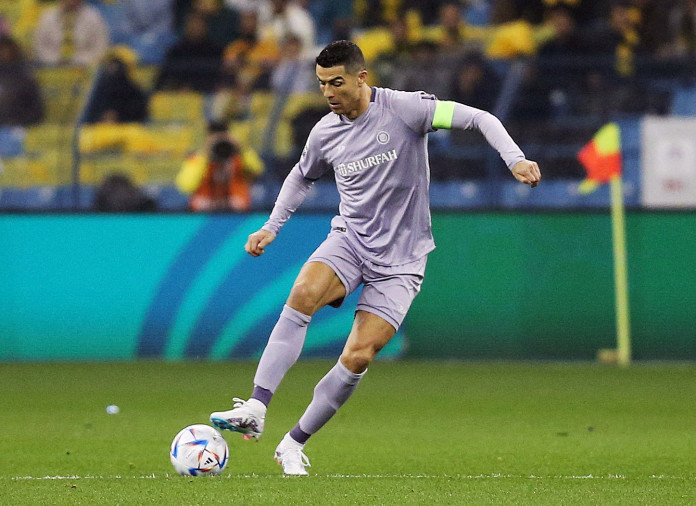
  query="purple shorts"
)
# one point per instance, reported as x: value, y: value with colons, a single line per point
x: 388, y: 291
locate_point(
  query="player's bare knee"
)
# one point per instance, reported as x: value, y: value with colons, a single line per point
x: 357, y: 359
x: 304, y: 297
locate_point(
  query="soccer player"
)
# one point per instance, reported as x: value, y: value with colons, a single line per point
x: 375, y: 141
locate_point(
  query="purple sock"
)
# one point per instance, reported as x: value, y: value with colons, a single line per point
x: 262, y: 394
x: 299, y: 435
x: 282, y: 351
x: 332, y: 391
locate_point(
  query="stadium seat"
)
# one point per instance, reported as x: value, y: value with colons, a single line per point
x: 177, y: 107
x: 12, y: 142
x: 169, y: 198
x: 684, y: 101
x: 137, y: 138
x: 46, y: 134
x: 64, y: 89
x: 34, y: 169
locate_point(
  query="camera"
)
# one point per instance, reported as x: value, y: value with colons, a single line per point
x: 222, y: 150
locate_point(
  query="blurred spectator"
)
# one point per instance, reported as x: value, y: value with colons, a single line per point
x: 249, y: 60
x: 390, y: 51
x: 219, y: 177
x: 21, y: 103
x: 475, y: 83
x: 392, y: 40
x: 533, y: 100
x: 293, y: 74
x: 452, y: 33
x: 149, y: 18
x: 683, y: 25
x: 194, y: 62
x: 617, y: 36
x: 247, y: 65
x: 563, y: 72
x: 653, y: 21
x: 375, y: 13
x: 567, y: 41
x: 5, y: 28
x: 148, y: 27
x: 517, y: 38
x: 583, y: 12
x: 334, y: 20
x: 116, y: 97
x: 430, y: 11
x: 71, y: 32
x: 242, y: 6
x: 283, y: 17
x: 118, y: 194
x: 424, y: 72
x: 222, y: 22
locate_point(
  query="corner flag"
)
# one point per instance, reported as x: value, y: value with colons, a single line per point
x: 601, y: 158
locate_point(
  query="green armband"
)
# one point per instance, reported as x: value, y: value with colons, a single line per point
x: 444, y: 112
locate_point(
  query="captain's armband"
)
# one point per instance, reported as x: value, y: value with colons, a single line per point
x: 444, y: 112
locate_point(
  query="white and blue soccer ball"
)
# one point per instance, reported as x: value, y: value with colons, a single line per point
x: 199, y: 450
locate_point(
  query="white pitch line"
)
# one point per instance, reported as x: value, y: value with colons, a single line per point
x: 348, y: 476
x: 494, y: 476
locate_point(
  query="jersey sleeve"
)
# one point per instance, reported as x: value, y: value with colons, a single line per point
x: 416, y: 109
x: 312, y: 165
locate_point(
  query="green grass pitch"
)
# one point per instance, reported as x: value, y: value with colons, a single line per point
x: 413, y: 433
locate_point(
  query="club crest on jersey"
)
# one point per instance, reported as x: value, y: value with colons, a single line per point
x: 346, y: 169
x: 382, y: 137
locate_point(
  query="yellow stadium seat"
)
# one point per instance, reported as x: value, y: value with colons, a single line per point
x: 64, y: 90
x: 34, y: 170
x: 137, y: 138
x: 94, y: 168
x: 41, y: 136
x: 160, y: 168
x: 176, y: 107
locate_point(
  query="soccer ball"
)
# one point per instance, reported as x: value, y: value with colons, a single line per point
x: 199, y: 450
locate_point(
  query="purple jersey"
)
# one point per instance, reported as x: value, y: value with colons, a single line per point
x: 380, y: 162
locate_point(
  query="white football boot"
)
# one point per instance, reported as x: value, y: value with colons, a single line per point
x: 289, y: 454
x: 246, y: 417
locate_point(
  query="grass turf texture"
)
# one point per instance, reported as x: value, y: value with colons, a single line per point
x: 414, y: 433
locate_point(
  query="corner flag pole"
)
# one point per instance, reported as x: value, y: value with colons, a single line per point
x: 618, y: 225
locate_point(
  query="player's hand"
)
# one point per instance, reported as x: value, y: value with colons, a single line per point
x: 527, y: 172
x: 258, y: 241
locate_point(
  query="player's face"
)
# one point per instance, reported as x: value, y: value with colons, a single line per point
x: 341, y: 88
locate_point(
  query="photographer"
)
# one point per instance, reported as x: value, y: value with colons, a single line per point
x: 219, y: 177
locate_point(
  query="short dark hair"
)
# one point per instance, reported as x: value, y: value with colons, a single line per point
x: 216, y: 127
x: 342, y: 52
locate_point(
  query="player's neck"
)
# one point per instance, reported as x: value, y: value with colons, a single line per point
x: 363, y: 103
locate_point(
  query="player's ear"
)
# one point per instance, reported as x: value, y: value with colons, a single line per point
x: 362, y: 75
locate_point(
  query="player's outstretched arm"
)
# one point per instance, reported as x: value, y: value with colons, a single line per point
x: 527, y: 172
x: 258, y: 241
x: 454, y: 115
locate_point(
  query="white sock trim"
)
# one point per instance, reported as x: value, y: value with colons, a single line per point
x: 349, y: 376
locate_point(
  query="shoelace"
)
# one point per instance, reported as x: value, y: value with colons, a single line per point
x: 238, y: 403
x: 301, y: 456
x: 305, y: 460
